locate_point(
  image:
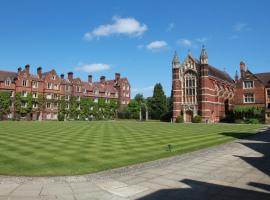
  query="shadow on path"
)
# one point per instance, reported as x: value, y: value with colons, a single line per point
x: 198, y: 190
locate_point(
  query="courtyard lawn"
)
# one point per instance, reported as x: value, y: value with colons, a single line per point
x: 69, y: 148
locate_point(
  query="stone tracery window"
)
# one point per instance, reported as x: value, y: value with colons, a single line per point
x: 190, y: 87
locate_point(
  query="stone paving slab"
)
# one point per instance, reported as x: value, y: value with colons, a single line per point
x: 236, y: 170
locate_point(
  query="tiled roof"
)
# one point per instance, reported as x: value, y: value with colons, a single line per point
x: 6, y: 74
x: 264, y: 78
x: 219, y: 74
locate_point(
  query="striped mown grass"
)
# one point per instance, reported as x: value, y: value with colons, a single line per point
x: 69, y: 148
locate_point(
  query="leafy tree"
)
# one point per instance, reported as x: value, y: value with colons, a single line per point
x: 157, y: 104
x: 139, y: 98
x: 4, y: 103
x: 61, y: 108
x: 73, y: 113
x: 18, y: 105
x: 86, y: 103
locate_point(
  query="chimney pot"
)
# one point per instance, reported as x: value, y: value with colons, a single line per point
x: 90, y: 78
x: 102, y: 79
x: 70, y: 76
x: 242, y: 69
x: 27, y: 68
x: 117, y: 76
x: 39, y: 72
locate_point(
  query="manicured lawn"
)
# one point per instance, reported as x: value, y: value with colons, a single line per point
x: 65, y: 148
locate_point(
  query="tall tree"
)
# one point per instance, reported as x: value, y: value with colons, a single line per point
x: 4, y: 103
x: 157, y: 104
x: 139, y: 98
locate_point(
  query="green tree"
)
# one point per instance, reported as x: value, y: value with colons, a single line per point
x: 61, y: 108
x: 18, y: 105
x: 158, y: 103
x: 139, y: 98
x: 73, y: 113
x: 86, y: 103
x: 4, y: 103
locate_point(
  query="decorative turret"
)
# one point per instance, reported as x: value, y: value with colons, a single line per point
x: 175, y: 61
x: 236, y: 78
x: 204, y: 56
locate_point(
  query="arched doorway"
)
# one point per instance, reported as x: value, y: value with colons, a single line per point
x: 189, y: 116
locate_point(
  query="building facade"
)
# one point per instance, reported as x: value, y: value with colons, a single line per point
x: 52, y: 88
x: 200, y: 89
x: 253, y: 90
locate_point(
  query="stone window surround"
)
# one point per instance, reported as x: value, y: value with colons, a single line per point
x: 250, y: 98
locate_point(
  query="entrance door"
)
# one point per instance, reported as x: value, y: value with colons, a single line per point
x: 189, y: 115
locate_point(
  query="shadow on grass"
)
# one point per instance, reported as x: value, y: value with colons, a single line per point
x: 199, y: 190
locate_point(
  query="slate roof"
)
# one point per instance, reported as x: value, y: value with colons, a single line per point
x: 264, y: 78
x: 214, y: 72
x: 6, y: 74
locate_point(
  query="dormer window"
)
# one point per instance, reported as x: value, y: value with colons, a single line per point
x: 7, y: 82
x: 53, y: 78
x: 24, y: 83
x: 248, y: 84
x: 84, y: 91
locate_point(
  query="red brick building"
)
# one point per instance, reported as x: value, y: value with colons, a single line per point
x: 52, y: 87
x: 253, y: 90
x: 200, y: 89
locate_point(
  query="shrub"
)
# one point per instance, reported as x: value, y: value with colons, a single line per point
x: 61, y: 116
x: 239, y: 121
x: 179, y: 119
x: 253, y: 121
x: 197, y: 119
x: 166, y: 117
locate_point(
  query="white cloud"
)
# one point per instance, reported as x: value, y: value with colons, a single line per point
x: 233, y: 37
x: 89, y: 68
x: 240, y: 27
x: 145, y: 89
x: 159, y: 44
x: 170, y: 27
x: 185, y: 42
x: 126, y: 26
x: 140, y: 46
x: 202, y: 39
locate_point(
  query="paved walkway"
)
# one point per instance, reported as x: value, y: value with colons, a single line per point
x: 236, y: 170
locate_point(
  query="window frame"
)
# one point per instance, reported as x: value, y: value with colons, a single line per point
x: 246, y: 98
x: 244, y: 84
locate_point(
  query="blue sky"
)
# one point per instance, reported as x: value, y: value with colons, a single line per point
x: 136, y: 38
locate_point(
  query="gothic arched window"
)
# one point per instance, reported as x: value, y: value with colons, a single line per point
x: 190, y: 87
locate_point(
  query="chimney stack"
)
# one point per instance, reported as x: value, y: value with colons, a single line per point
x: 70, y: 76
x: 90, y: 78
x: 62, y: 76
x: 117, y: 76
x: 27, y: 68
x: 19, y: 69
x: 242, y: 69
x: 102, y: 79
x: 39, y: 72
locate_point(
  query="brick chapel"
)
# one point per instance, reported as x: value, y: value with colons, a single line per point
x: 199, y: 88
